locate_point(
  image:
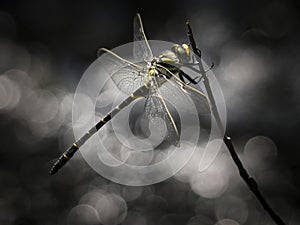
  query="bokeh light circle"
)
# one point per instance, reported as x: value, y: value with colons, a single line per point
x: 227, y: 222
x: 83, y: 214
x: 128, y: 150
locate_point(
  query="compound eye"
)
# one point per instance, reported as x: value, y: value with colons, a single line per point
x: 186, y: 48
x: 180, y: 50
x: 175, y: 48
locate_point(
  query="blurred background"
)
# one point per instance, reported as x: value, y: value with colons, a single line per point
x: 45, y: 47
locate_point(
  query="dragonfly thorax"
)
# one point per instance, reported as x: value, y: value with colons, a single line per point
x: 152, y: 68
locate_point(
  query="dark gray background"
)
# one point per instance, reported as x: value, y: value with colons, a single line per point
x: 45, y: 46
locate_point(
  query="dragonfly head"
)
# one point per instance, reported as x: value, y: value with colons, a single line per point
x: 182, y: 52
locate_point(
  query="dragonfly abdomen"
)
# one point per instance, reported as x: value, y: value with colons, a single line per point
x: 67, y: 155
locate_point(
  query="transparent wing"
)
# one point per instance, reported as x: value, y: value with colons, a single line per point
x: 156, y: 106
x: 127, y: 76
x: 141, y: 47
x: 128, y: 80
x: 198, y: 96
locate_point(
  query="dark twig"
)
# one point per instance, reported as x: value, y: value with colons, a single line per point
x: 227, y: 140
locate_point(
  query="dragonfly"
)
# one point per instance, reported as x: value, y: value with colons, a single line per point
x: 140, y: 81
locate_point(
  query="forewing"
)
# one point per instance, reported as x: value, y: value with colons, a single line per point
x: 128, y: 80
x: 198, y: 96
x: 127, y: 76
x: 141, y: 47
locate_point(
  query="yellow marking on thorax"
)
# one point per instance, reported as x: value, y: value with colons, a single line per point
x: 75, y: 145
x: 65, y: 156
x: 132, y: 96
x: 166, y: 59
x: 151, y: 72
x: 102, y: 120
x: 118, y: 108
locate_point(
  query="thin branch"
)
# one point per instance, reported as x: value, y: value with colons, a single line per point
x: 227, y: 140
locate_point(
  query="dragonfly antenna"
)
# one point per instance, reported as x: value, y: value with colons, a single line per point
x: 227, y: 140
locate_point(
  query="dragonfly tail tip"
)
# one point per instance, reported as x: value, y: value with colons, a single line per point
x: 53, y: 170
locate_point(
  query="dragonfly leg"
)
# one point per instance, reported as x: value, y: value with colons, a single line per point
x: 190, y: 80
x: 211, y: 66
